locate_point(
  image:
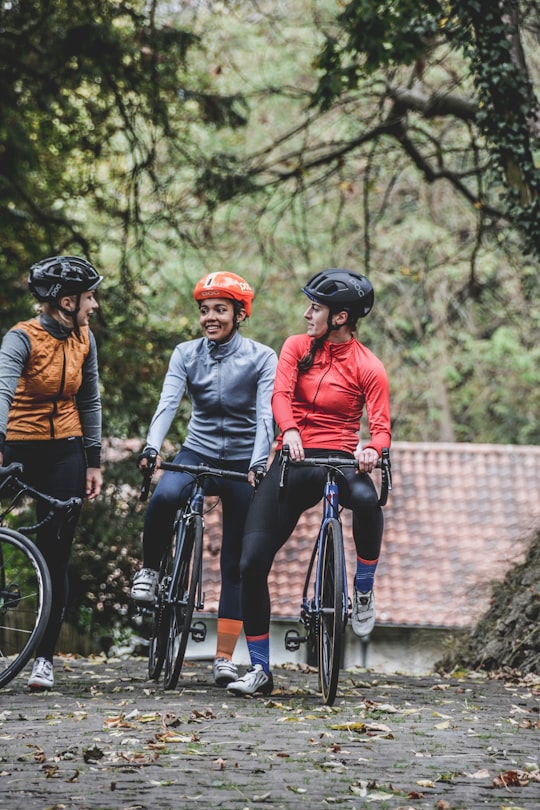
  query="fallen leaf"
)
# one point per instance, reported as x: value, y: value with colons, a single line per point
x: 92, y: 754
x: 511, y: 779
x: 357, y: 726
x: 175, y: 737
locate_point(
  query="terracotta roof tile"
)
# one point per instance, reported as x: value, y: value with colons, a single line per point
x: 459, y: 516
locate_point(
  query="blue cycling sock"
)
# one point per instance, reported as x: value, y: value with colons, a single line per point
x: 259, y: 650
x: 365, y: 574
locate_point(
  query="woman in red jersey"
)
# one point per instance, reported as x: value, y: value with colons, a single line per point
x: 324, y: 380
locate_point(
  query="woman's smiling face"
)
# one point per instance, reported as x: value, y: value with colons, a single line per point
x: 216, y: 317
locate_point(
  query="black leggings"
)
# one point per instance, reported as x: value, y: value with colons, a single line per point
x: 172, y: 491
x: 270, y: 522
x: 57, y: 468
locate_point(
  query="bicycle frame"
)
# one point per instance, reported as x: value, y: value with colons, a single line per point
x: 194, y: 506
x: 312, y: 608
x: 320, y: 613
x: 180, y: 590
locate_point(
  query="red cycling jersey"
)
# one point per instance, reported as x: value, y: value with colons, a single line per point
x: 325, y: 404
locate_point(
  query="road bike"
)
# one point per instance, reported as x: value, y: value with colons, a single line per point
x: 25, y: 585
x: 179, y: 590
x: 326, y: 606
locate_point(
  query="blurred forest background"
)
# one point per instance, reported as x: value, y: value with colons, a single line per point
x: 165, y: 139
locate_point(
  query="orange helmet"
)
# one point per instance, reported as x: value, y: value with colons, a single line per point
x: 224, y: 285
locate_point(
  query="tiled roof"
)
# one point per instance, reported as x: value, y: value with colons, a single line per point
x: 458, y: 518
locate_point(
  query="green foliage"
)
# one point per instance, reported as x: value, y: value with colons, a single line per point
x: 106, y: 552
x: 166, y: 141
x: 371, y: 35
x: 134, y: 351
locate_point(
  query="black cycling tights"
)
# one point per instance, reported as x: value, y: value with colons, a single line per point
x: 58, y: 468
x: 271, y: 520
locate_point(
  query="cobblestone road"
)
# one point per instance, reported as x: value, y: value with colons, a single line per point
x: 106, y: 737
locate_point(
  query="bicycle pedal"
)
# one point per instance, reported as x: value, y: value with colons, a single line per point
x: 293, y: 640
x: 198, y: 632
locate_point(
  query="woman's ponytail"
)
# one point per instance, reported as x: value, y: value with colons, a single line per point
x: 305, y: 362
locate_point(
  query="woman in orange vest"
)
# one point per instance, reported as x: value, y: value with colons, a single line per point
x: 50, y: 415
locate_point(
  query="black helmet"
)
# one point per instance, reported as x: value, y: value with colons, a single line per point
x: 52, y: 278
x: 341, y: 289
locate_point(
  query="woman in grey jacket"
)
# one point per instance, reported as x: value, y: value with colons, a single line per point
x: 229, y: 381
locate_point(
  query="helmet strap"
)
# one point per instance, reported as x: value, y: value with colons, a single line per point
x: 73, y: 314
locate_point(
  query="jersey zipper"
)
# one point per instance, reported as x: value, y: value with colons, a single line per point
x: 54, y: 411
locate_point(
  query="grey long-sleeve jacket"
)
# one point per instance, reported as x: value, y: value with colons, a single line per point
x: 230, y: 388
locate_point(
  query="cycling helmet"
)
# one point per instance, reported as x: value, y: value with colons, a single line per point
x: 341, y: 289
x: 224, y: 285
x: 51, y: 279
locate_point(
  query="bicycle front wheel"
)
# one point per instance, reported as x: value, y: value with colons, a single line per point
x: 25, y: 601
x: 331, y: 624
x: 160, y: 620
x: 183, y: 596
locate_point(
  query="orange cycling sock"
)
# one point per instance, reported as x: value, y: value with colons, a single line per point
x: 228, y: 631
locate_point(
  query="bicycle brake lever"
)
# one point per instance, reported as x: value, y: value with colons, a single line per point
x: 148, y: 473
x: 260, y: 472
x: 284, y: 468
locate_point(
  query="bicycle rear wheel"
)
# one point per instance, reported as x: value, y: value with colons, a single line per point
x: 331, y: 623
x: 160, y: 619
x: 183, y: 596
x: 25, y: 601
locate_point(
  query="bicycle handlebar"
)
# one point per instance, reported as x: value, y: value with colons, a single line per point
x: 14, y: 487
x: 335, y: 462
x: 197, y: 470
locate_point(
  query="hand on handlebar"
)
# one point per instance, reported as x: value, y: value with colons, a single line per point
x: 296, y: 448
x: 367, y: 459
x: 256, y: 476
x: 149, y: 460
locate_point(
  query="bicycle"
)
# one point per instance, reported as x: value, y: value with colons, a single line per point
x: 325, y: 604
x: 25, y: 585
x: 179, y: 590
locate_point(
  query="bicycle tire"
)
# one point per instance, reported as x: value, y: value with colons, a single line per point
x: 160, y: 619
x: 330, y: 625
x: 183, y: 601
x: 25, y: 601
